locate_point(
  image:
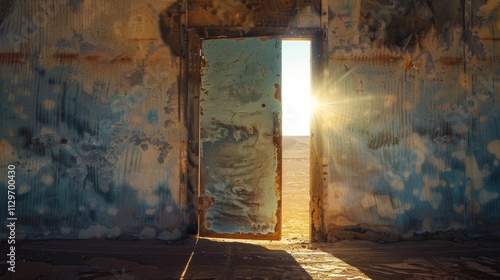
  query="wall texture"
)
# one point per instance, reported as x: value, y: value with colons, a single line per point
x: 93, y: 115
x: 409, y: 119
x: 90, y: 118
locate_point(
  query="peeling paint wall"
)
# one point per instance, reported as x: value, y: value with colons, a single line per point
x: 90, y: 119
x: 410, y: 118
x: 240, y: 134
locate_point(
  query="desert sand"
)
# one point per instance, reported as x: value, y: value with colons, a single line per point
x: 295, y: 189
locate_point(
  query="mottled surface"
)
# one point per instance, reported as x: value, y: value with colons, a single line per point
x: 92, y: 115
x: 409, y: 118
x: 252, y: 13
x: 240, y: 158
x: 89, y: 117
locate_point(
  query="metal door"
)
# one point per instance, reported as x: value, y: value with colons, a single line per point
x: 240, y: 137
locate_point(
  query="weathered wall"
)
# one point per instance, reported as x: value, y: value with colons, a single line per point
x: 410, y: 118
x: 90, y: 118
x: 483, y: 95
x: 254, y: 13
x: 92, y: 114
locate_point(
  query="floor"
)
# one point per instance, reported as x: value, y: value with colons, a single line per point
x: 229, y: 259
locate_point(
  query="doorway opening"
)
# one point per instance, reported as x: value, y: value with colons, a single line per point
x: 202, y: 186
x: 296, y: 106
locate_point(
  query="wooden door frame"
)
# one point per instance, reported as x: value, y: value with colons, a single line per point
x: 192, y: 86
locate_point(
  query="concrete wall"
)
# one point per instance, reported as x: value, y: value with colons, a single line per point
x: 90, y: 119
x: 409, y: 119
x: 93, y: 115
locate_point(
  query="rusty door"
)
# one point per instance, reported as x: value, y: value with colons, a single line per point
x: 240, y: 138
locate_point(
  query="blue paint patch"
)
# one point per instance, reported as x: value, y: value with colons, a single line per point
x: 153, y: 116
x: 78, y: 43
x: 75, y: 5
x: 136, y: 78
x: 69, y: 135
x: 63, y: 43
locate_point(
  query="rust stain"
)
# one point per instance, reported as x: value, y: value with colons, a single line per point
x: 12, y: 58
x: 377, y: 57
x: 411, y: 64
x: 203, y: 62
x: 277, y: 93
x: 407, y: 64
x: 243, y: 13
x: 207, y: 232
x: 144, y: 39
x: 239, y: 39
x: 66, y: 56
x: 205, y: 202
x: 122, y: 58
x: 450, y: 60
x: 94, y: 57
x: 279, y: 171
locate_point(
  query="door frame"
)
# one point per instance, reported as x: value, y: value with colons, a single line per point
x: 191, y: 81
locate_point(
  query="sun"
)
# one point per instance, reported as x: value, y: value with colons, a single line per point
x: 314, y: 105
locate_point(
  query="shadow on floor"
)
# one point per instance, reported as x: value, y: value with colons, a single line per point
x: 150, y: 259
x: 238, y: 260
x: 431, y: 259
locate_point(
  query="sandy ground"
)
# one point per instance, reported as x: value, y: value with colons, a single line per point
x: 295, y: 189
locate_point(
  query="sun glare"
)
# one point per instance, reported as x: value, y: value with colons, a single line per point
x: 314, y: 105
x: 296, y: 98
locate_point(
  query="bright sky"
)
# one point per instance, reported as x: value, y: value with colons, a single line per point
x: 296, y: 85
